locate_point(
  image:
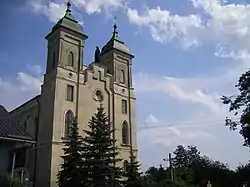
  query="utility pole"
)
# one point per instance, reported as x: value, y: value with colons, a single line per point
x: 170, y: 166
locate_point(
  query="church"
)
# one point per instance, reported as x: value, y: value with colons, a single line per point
x: 71, y: 89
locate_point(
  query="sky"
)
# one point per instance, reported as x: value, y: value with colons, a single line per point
x: 187, y: 55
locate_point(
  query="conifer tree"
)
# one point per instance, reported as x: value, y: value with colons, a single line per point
x: 100, y: 152
x: 71, y: 174
x: 133, y: 174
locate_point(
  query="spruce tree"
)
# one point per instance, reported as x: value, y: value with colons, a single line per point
x: 100, y: 152
x: 71, y: 174
x: 133, y: 174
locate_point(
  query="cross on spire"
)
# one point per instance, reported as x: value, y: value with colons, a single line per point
x: 68, y: 7
x: 115, y: 33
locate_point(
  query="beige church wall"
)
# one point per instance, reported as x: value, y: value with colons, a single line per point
x: 70, y: 43
x: 62, y: 105
x: 94, y: 80
x: 27, y: 113
x: 56, y: 161
x: 134, y: 123
x: 45, y: 133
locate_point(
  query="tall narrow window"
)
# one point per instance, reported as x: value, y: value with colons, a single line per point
x: 125, y: 133
x: 124, y: 107
x: 122, y: 79
x: 71, y: 59
x: 36, y: 127
x: 68, y: 122
x: 25, y: 125
x: 70, y: 92
x: 125, y: 166
x: 53, y: 59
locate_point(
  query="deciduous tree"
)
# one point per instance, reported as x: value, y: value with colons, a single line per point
x: 240, y: 105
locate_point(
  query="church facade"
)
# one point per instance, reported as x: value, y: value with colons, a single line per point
x: 71, y: 89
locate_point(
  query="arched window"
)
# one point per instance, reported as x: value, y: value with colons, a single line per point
x: 122, y: 76
x: 71, y: 59
x: 69, y: 116
x: 125, y: 133
x: 125, y: 166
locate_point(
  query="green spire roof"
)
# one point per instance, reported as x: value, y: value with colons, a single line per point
x: 69, y: 21
x: 115, y: 43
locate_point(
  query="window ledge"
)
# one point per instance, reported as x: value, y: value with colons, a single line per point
x: 65, y: 138
x: 125, y: 145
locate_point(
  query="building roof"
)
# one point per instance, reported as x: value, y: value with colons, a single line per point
x: 9, y: 128
x: 116, y: 43
x: 68, y: 21
x: 32, y: 100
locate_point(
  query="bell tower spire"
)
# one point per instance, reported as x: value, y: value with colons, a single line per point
x: 68, y: 11
x: 115, y: 32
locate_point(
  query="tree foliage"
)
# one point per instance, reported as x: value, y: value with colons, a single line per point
x: 133, y: 174
x: 72, y: 173
x: 7, y: 181
x: 192, y: 169
x: 242, y: 175
x: 240, y: 105
x: 100, y: 153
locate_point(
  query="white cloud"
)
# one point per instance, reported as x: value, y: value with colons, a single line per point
x: 165, y: 27
x: 201, y: 132
x: 151, y: 120
x: 28, y: 83
x: 159, y: 131
x: 164, y: 139
x: 97, y: 6
x: 16, y: 92
x: 198, y: 90
x: 224, y: 24
x: 54, y: 10
x: 36, y: 69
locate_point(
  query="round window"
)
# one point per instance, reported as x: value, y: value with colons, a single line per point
x: 98, y: 95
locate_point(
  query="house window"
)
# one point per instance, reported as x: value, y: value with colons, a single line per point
x: 125, y: 133
x: 69, y: 116
x: 70, y: 92
x: 71, y: 59
x: 124, y: 107
x: 122, y: 80
x: 125, y: 166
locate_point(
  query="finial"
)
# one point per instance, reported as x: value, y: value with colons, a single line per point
x: 115, y: 27
x: 68, y: 7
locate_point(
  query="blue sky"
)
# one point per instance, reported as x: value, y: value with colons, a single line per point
x: 186, y: 56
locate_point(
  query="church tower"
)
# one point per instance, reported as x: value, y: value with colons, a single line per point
x: 59, y: 95
x: 117, y: 58
x: 71, y: 89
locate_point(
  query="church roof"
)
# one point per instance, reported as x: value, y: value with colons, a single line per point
x: 9, y: 127
x: 116, y: 43
x: 68, y: 21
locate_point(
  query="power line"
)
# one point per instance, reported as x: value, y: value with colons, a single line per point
x: 184, y: 124
x: 178, y: 124
x: 150, y: 127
